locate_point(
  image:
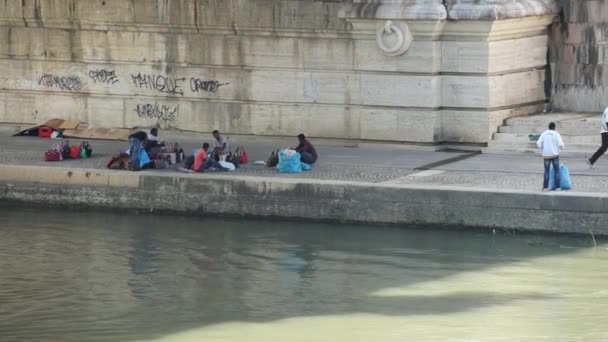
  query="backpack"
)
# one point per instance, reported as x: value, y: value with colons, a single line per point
x: 273, y: 160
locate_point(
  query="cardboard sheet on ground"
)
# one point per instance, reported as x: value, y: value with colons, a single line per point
x: 79, y: 130
x: 83, y: 132
x: 33, y: 131
x: 70, y: 124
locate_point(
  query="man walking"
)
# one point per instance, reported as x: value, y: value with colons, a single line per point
x: 600, y: 151
x: 551, y: 143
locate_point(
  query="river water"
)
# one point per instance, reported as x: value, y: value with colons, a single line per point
x: 70, y: 276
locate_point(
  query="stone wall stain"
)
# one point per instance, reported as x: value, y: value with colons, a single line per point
x: 578, y: 53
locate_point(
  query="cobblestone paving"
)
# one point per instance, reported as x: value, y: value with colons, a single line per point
x: 30, y: 152
x: 518, y: 181
x: 323, y: 171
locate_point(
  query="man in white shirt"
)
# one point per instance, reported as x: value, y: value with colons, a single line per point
x: 221, y: 145
x: 604, y: 146
x: 551, y: 144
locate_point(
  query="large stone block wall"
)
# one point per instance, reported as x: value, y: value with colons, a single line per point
x: 273, y: 67
x: 579, y: 56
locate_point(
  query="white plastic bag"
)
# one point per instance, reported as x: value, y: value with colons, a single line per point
x: 227, y: 165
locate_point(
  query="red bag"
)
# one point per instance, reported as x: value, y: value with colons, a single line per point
x: 45, y: 132
x: 75, y: 152
x: 51, y: 155
x: 243, y: 155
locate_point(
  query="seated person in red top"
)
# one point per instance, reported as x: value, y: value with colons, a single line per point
x: 307, y: 152
x: 202, y: 163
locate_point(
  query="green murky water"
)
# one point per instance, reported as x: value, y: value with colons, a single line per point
x: 69, y: 276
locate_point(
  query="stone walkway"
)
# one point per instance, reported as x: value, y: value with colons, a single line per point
x: 368, y: 163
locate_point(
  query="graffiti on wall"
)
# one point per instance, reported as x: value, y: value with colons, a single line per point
x: 64, y: 83
x: 103, y: 76
x: 160, y: 83
x: 157, y: 112
x: 76, y: 81
x: 197, y: 85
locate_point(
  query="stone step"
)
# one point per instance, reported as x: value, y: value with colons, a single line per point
x: 591, y: 140
x: 496, y: 144
x: 534, y: 151
x: 562, y: 120
x: 581, y: 133
x: 595, y: 124
x: 590, y: 131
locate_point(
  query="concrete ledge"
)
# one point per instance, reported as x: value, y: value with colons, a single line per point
x: 313, y: 200
x: 67, y: 176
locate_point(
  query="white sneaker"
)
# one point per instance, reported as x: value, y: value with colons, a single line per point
x: 589, y: 164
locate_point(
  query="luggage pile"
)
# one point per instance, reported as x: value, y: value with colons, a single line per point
x: 169, y: 154
x: 62, y: 150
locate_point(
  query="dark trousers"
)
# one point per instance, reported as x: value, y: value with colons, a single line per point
x: 307, y: 158
x: 548, y: 163
x: 601, y: 150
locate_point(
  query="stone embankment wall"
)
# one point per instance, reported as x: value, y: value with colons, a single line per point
x: 309, y: 200
x: 579, y: 56
x: 450, y: 71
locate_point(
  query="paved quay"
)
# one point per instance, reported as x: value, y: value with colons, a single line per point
x: 346, y: 161
x: 365, y: 182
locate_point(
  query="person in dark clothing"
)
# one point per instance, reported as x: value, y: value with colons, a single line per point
x: 307, y: 151
x: 152, y: 139
x: 604, y: 147
x: 136, y: 140
x: 153, y: 143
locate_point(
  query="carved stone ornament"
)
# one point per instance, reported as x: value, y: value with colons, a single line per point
x: 394, y: 39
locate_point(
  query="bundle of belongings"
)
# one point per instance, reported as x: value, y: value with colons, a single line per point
x: 62, y: 150
x: 289, y: 162
x: 295, y: 159
x: 158, y: 157
x: 165, y: 154
x: 122, y: 161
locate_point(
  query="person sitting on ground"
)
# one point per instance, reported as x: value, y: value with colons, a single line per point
x: 307, y: 151
x: 153, y: 144
x: 221, y: 146
x: 136, y: 140
x: 202, y: 162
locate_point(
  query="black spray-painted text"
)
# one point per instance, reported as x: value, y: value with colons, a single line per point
x: 103, y: 76
x: 156, y: 111
x: 159, y: 83
x: 197, y: 85
x: 65, y: 83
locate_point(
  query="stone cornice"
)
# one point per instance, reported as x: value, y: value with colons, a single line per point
x: 499, y: 9
x: 394, y: 9
x: 447, y: 9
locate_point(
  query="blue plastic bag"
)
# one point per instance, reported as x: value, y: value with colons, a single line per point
x: 306, y: 167
x: 289, y: 163
x: 564, y: 178
x: 143, y: 158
